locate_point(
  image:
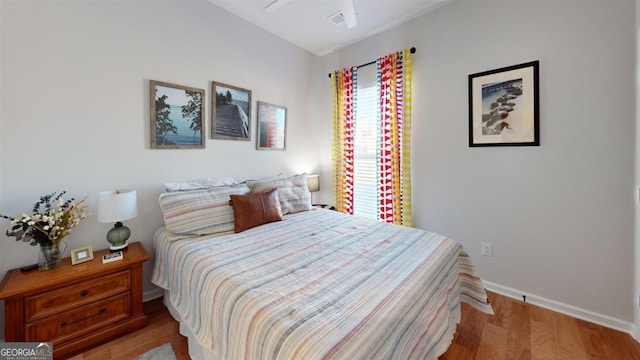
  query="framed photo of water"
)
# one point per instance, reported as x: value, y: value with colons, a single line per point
x: 230, y: 112
x: 504, y: 106
x: 177, y: 116
x: 272, y: 127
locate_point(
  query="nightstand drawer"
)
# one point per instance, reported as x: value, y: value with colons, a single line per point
x: 68, y: 297
x: 81, y: 320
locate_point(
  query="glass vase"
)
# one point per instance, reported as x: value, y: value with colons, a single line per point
x: 50, y: 256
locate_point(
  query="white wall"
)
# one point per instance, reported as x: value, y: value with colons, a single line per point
x: 75, y: 116
x: 560, y: 216
x: 636, y: 333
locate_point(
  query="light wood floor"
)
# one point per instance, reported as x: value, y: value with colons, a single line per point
x: 523, y: 331
x: 162, y: 329
x: 517, y: 331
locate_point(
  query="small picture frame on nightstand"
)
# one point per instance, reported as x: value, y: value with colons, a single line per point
x: 81, y: 255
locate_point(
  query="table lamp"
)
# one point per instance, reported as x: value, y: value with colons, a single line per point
x: 313, y: 183
x: 117, y: 206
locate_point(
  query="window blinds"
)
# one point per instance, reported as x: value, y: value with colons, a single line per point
x: 365, y: 190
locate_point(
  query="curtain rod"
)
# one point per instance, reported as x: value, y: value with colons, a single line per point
x: 413, y: 51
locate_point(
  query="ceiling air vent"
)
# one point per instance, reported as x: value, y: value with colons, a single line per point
x: 336, y: 18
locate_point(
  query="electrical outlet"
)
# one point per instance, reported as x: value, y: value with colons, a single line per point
x: 486, y: 249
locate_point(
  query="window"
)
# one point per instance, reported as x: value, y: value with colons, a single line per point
x: 365, y: 191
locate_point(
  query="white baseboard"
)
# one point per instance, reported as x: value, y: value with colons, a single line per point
x: 152, y: 294
x: 566, y: 309
x: 634, y: 333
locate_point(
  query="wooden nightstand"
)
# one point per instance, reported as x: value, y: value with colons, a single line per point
x: 76, y: 307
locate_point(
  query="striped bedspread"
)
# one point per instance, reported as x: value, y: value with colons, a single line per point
x: 320, y: 285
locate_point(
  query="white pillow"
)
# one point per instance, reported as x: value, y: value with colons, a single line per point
x: 198, y: 184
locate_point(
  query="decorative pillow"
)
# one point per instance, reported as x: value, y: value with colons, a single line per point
x: 198, y: 184
x: 255, y: 209
x: 293, y: 193
x: 201, y: 212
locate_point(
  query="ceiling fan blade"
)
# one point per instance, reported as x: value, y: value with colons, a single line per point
x: 275, y: 5
x: 349, y: 13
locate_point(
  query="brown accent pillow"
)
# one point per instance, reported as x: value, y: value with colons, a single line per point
x: 255, y: 209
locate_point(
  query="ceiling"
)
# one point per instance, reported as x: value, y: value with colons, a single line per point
x: 305, y: 22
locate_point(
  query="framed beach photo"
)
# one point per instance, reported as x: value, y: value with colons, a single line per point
x: 177, y: 116
x: 272, y: 127
x: 81, y: 255
x: 230, y: 112
x: 504, y: 106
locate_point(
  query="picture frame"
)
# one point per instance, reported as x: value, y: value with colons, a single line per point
x: 272, y: 127
x: 81, y: 255
x: 504, y: 106
x: 177, y: 116
x: 230, y: 112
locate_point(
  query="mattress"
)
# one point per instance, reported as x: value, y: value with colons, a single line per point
x: 318, y: 285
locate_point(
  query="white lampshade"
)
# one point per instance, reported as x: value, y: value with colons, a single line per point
x: 117, y: 205
x: 313, y: 183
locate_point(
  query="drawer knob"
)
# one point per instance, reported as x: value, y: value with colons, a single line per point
x: 84, y: 293
x: 65, y: 324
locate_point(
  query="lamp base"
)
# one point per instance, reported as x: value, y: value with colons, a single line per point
x: 118, y: 237
x: 114, y: 248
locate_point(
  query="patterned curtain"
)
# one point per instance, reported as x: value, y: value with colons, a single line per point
x: 394, y: 88
x: 344, y: 83
x: 393, y: 140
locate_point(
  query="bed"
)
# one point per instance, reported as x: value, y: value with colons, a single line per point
x: 318, y: 284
